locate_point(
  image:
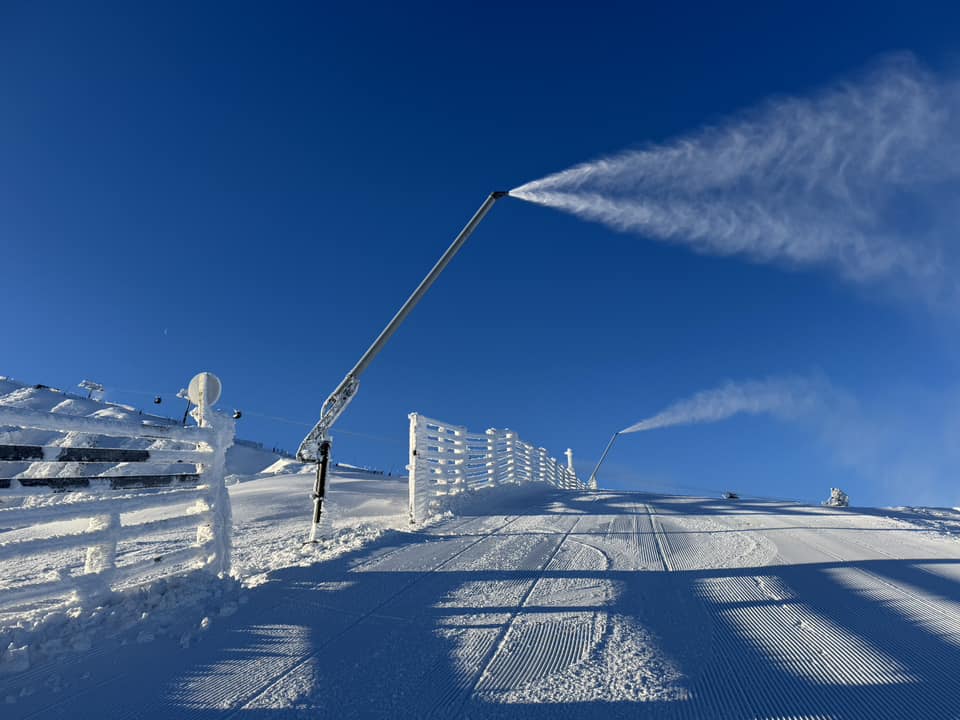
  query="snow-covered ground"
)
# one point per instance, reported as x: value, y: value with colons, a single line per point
x: 516, y: 602
x: 532, y: 602
x: 271, y: 499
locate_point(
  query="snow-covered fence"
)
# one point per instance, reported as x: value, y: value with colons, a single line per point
x: 447, y: 460
x: 169, y: 484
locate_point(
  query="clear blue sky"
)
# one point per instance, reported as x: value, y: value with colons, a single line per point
x: 253, y: 190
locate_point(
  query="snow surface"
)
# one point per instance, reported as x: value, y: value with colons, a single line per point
x: 533, y: 602
x: 514, y: 602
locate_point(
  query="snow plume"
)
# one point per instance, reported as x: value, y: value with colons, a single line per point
x: 786, y: 398
x: 861, y: 177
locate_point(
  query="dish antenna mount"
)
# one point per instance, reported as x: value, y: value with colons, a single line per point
x: 204, y: 391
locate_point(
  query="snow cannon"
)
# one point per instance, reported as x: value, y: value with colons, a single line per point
x: 315, y: 447
x: 593, y: 476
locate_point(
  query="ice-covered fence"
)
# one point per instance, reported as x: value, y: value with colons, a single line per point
x: 162, y: 503
x: 448, y: 460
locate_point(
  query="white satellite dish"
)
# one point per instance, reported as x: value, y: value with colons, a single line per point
x: 204, y: 389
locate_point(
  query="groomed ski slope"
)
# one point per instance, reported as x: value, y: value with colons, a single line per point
x: 539, y: 603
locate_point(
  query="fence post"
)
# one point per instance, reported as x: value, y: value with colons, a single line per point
x: 491, y: 457
x: 413, y: 473
x: 528, y: 453
x: 220, y: 529
x: 461, y: 452
x: 101, y: 558
x: 510, y: 438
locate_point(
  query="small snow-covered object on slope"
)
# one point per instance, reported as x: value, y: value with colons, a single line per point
x: 838, y: 498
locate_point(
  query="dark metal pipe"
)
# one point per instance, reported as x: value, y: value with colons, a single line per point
x: 425, y: 284
x: 320, y: 488
x: 593, y: 476
x: 341, y: 397
x: 315, y: 447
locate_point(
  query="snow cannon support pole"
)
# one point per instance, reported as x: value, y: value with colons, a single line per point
x: 593, y: 476
x: 316, y: 445
x: 320, y: 487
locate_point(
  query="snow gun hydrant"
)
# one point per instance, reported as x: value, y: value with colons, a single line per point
x: 315, y: 447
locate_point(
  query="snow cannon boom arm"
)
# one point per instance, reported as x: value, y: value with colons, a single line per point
x: 339, y: 399
x: 592, y: 483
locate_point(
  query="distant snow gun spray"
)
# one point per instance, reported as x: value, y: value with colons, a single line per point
x: 315, y: 447
x: 786, y: 398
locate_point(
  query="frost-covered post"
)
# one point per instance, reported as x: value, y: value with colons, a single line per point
x: 542, y: 464
x: 412, y: 468
x: 490, y: 462
x: 219, y: 531
x: 459, y: 452
x: 527, y: 452
x: 510, y: 450
x: 101, y: 558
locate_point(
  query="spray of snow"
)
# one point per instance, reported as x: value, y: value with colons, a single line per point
x: 858, y: 177
x: 786, y: 398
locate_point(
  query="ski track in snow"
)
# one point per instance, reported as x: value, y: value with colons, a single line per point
x: 561, y: 604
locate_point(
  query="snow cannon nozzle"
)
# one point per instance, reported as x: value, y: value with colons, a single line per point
x: 497, y: 194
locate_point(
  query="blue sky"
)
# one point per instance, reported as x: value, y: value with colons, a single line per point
x: 255, y: 191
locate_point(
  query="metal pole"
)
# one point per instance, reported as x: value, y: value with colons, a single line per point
x: 341, y: 397
x: 320, y: 488
x: 315, y: 447
x: 425, y: 284
x: 593, y: 476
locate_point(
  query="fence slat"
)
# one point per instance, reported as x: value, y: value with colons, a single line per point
x: 52, y: 589
x: 56, y: 453
x: 20, y: 453
x: 193, y: 553
x: 116, y: 482
x: 19, y: 517
x: 99, y: 532
x: 60, y: 422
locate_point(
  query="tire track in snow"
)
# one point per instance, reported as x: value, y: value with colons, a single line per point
x: 504, y: 636
x: 537, y: 648
x: 454, y: 643
x: 472, y: 635
x: 627, y: 539
x: 252, y: 696
x: 226, y: 685
x: 663, y: 545
x: 454, y: 531
x: 423, y: 662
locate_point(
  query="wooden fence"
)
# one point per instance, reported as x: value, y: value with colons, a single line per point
x: 97, y: 530
x: 447, y: 460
